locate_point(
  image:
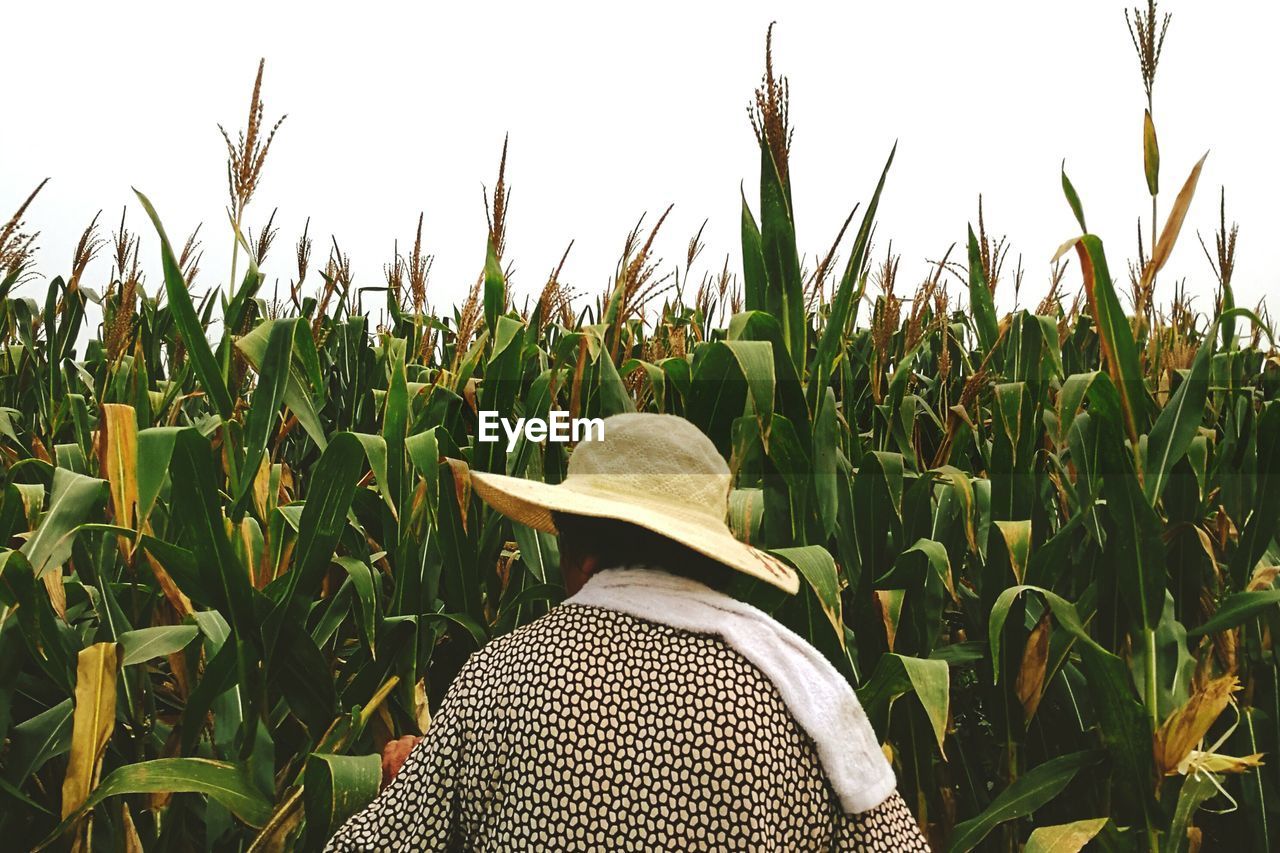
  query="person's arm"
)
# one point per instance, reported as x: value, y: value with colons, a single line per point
x: 888, y: 828
x: 418, y: 810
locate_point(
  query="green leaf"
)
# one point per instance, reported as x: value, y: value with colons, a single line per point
x: 1031, y: 791
x: 657, y: 380
x: 877, y: 493
x: 844, y: 304
x: 614, y: 397
x: 896, y: 675
x: 71, y: 500
x: 759, y: 326
x: 146, y: 644
x: 226, y: 783
x: 1063, y: 610
x: 1264, y: 520
x: 335, y: 787
x: 923, y: 571
x: 1236, y: 609
x: 826, y: 452
x: 298, y: 395
x: 273, y: 380
x: 784, y: 294
x: 324, y: 515
x: 539, y: 551
x: 1178, y: 422
x: 1150, y: 154
x: 189, y: 325
x: 37, y: 624
x: 753, y: 275
x: 36, y: 740
x: 1073, y: 199
x: 196, y: 504
x: 375, y: 451
x: 1126, y: 732
x: 980, y: 300
x: 155, y: 450
x: 302, y: 673
x: 1064, y: 837
x: 495, y: 287
x: 366, y: 608
x: 1196, y: 788
x: 719, y: 393
x: 755, y: 360
x: 962, y: 488
x: 1013, y: 451
x: 816, y: 566
x: 1135, y: 548
x: 1115, y: 335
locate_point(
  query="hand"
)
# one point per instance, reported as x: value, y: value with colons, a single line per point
x: 394, y: 755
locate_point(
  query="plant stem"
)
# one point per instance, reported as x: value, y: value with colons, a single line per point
x: 235, y: 249
x: 225, y: 351
x: 1153, y: 706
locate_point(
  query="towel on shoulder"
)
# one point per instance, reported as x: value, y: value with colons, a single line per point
x: 820, y: 699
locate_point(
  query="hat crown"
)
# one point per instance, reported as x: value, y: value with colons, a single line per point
x: 655, y: 458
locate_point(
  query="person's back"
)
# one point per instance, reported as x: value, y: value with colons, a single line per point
x: 652, y: 709
x: 591, y: 729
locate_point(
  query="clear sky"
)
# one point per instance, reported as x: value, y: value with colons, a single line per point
x: 617, y: 110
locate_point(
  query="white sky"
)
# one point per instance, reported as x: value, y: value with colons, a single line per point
x: 615, y: 111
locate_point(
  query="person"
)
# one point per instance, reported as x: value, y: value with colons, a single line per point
x: 650, y: 710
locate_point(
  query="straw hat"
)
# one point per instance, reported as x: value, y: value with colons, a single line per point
x: 658, y: 472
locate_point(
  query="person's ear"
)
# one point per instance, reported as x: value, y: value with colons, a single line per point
x: 589, y: 564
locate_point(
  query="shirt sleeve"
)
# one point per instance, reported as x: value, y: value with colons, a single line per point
x: 888, y: 828
x: 419, y: 809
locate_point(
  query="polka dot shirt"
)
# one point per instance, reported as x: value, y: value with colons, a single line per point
x: 590, y: 729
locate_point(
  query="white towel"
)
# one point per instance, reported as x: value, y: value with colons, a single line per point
x: 817, y: 696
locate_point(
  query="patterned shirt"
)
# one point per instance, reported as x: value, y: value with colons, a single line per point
x: 590, y: 729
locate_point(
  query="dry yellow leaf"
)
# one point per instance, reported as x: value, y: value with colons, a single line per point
x: 1214, y: 762
x: 262, y: 488
x: 57, y: 592
x: 1173, y: 224
x: 92, y: 723
x: 1186, y: 727
x: 132, y: 843
x: 181, y: 604
x: 461, y: 486
x: 889, y: 602
x: 1035, y: 659
x: 1264, y: 577
x: 118, y: 459
x: 421, y: 710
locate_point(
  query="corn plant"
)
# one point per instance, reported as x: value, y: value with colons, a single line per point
x: 1039, y: 545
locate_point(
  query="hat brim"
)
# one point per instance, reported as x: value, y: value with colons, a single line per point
x: 532, y: 503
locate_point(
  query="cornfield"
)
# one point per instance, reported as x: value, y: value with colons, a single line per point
x: 241, y: 552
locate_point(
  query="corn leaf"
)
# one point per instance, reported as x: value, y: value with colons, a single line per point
x: 184, y: 315
x: 336, y: 787
x: 92, y: 724
x: 1115, y: 336
x: 119, y: 460
x: 71, y: 499
x: 1031, y: 791
x: 897, y: 675
x: 226, y: 783
x: 1064, y: 837
x: 144, y: 644
x: 264, y: 408
x: 980, y: 299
